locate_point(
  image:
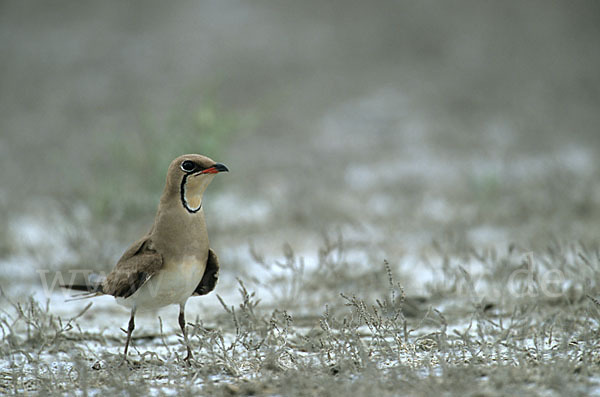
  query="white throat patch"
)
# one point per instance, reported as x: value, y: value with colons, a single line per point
x: 192, y: 189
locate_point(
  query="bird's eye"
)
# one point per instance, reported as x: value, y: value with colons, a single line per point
x: 188, y: 166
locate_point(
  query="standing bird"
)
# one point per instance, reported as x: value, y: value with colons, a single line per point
x: 174, y: 260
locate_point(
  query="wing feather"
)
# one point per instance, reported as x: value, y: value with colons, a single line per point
x: 137, y: 265
x: 211, y: 275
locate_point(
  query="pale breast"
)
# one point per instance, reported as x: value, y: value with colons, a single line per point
x: 173, y: 284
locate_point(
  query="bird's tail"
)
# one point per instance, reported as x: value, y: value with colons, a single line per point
x: 92, y: 287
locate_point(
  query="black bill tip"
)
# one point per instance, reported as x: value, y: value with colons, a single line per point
x: 221, y: 167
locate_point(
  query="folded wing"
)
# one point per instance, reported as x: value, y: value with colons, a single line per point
x: 137, y: 265
x: 211, y: 275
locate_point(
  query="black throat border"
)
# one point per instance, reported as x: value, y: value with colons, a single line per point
x: 182, y: 195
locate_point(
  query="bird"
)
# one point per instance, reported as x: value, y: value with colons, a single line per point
x: 173, y: 261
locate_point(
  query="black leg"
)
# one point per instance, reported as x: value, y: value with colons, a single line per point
x: 129, y: 332
x: 185, y: 338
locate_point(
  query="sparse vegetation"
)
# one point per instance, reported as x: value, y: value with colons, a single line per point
x: 510, y: 338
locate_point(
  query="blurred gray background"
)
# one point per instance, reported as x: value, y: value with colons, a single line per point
x: 390, y: 122
x: 440, y: 157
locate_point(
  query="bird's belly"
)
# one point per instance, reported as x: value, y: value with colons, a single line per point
x: 173, y: 284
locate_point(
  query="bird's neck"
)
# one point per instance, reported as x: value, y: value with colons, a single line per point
x: 178, y: 231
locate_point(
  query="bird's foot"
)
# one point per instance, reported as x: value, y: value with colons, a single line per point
x: 189, y: 358
x: 129, y: 363
x: 123, y: 362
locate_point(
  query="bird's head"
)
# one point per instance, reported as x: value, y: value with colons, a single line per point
x: 189, y: 175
